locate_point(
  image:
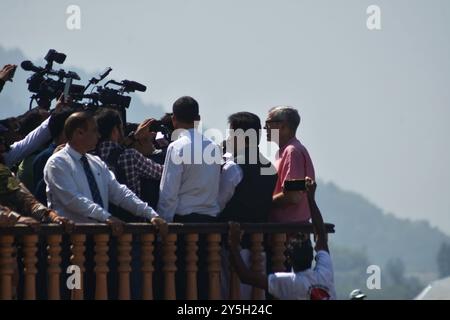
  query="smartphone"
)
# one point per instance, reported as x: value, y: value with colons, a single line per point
x: 11, y: 75
x: 295, y: 185
x: 67, y: 89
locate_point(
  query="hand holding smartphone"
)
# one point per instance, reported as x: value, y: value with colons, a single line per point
x: 12, y: 73
x: 294, y: 185
x: 67, y: 89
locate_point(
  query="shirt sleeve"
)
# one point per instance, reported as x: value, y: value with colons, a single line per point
x: 32, y: 142
x: 281, y: 285
x: 170, y: 184
x: 294, y: 166
x: 147, y: 167
x: 65, y: 190
x: 120, y: 195
x: 324, y: 266
x: 230, y: 177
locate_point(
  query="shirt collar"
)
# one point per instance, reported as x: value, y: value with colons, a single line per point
x: 72, y: 152
x: 289, y: 142
x: 186, y: 132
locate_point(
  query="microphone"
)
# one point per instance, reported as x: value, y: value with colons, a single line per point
x: 27, y: 65
x: 105, y: 73
x: 133, y: 86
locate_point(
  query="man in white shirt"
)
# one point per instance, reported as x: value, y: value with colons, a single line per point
x: 246, y: 185
x: 189, y: 186
x: 247, y: 178
x: 303, y: 282
x: 190, y: 180
x: 80, y: 185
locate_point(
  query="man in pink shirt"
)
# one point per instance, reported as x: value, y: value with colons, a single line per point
x: 292, y: 162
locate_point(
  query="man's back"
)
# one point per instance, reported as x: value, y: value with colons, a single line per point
x: 252, y: 197
x: 191, y: 175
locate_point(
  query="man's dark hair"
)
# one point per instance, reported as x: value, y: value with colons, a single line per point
x: 166, y: 120
x: 300, y: 253
x: 245, y: 121
x: 107, y: 120
x: 57, y: 121
x: 185, y: 109
x: 77, y: 120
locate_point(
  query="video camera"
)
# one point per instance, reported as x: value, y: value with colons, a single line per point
x: 105, y: 96
x: 44, y: 87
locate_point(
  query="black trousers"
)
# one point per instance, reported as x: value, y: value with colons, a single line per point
x: 202, y: 275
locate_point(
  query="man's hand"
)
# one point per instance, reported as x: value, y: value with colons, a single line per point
x: 160, y: 225
x: 34, y: 224
x: 142, y: 130
x: 7, y: 72
x: 116, y: 225
x: 234, y: 234
x: 67, y: 224
x: 311, y: 187
x: 59, y: 148
x: 8, y: 219
x: 61, y: 102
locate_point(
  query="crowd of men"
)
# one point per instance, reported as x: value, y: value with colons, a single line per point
x: 68, y: 166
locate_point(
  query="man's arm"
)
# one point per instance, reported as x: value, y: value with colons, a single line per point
x: 247, y: 276
x: 170, y: 185
x: 120, y: 195
x: 286, y: 198
x: 230, y: 177
x: 147, y: 168
x: 32, y: 142
x: 316, y: 217
x: 293, y: 168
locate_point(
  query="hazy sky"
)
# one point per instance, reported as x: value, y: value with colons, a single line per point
x: 374, y: 104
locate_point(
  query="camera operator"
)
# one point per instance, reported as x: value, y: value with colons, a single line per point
x: 154, y: 148
x: 129, y: 165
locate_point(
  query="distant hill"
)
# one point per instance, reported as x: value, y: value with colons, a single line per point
x: 15, y: 97
x: 360, y: 225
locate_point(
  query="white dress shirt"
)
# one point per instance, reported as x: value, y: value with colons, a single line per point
x: 190, y: 181
x: 32, y: 142
x: 69, y: 194
x: 230, y: 177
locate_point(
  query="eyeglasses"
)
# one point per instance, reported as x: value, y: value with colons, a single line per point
x: 268, y: 122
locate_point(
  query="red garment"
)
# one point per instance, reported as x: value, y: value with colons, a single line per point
x: 292, y: 162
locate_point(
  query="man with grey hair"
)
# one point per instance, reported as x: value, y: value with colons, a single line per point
x: 292, y: 162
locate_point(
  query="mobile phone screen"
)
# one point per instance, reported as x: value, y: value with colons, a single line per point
x: 295, y: 185
x: 67, y: 89
x: 11, y: 75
